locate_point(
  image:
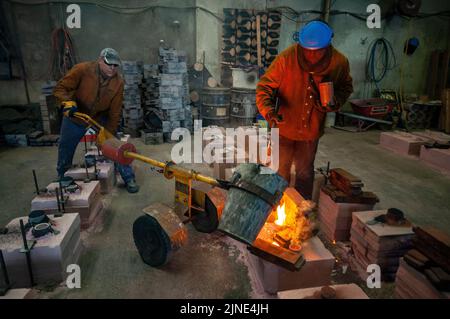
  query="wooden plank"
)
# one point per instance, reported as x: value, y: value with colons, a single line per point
x: 434, y: 237
x: 434, y: 244
x: 340, y: 177
x: 381, y: 229
x: 258, y: 39
x: 340, y: 197
x: 431, y: 253
x: 417, y: 283
x: 382, y: 243
x: 438, y: 278
x: 346, y: 182
x: 417, y: 259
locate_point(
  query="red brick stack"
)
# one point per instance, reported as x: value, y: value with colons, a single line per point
x: 337, y: 200
x: 424, y: 272
x: 380, y: 244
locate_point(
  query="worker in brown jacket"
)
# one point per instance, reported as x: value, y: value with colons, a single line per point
x: 96, y: 89
x: 292, y: 83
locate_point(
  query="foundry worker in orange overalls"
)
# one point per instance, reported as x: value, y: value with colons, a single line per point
x: 294, y: 77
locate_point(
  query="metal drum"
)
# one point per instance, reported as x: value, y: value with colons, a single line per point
x: 215, y: 108
x: 243, y: 107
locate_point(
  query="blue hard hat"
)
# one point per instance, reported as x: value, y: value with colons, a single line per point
x: 315, y: 35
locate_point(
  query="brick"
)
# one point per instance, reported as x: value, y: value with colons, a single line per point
x: 347, y: 291
x: 315, y: 272
x: 435, y: 136
x: 436, y: 158
x: 402, y: 142
x: 337, y: 217
x: 87, y: 202
x: 50, y: 256
x: 106, y: 175
x: 410, y: 283
x: 380, y: 244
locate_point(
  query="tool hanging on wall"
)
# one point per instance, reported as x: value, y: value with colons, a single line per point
x: 246, y: 32
x: 63, y: 56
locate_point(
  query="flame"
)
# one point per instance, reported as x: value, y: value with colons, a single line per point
x: 281, y: 214
x: 275, y: 243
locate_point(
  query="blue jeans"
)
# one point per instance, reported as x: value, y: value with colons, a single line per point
x: 302, y: 154
x: 70, y: 136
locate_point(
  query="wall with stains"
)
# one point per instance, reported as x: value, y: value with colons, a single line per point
x: 136, y: 34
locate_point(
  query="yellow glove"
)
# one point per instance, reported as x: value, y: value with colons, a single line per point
x: 69, y: 108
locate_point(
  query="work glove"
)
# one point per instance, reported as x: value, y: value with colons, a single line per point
x: 69, y: 108
x: 274, y: 119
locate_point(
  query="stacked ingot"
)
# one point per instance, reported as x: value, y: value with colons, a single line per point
x: 174, y: 100
x: 379, y: 244
x: 132, y: 111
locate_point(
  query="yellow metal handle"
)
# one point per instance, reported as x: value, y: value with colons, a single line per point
x: 177, y: 171
x: 102, y: 133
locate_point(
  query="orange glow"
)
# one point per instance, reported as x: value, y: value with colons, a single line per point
x: 281, y: 215
x: 334, y: 242
x: 287, y: 226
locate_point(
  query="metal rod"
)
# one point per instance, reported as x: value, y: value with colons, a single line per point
x: 95, y: 168
x: 326, y: 10
x: 85, y: 145
x: 4, y: 270
x: 87, y: 172
x: 61, y: 189
x: 178, y: 171
x: 328, y: 173
x: 62, y: 201
x: 57, y: 199
x: 35, y: 182
x: 27, y: 252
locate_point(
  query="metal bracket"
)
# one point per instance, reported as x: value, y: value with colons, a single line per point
x: 271, y: 199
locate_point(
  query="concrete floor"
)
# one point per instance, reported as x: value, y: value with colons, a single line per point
x: 208, y: 267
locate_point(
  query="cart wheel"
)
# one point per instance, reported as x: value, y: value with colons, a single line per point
x: 207, y: 221
x: 152, y: 242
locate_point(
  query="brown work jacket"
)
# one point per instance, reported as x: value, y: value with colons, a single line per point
x: 96, y: 98
x: 303, y: 116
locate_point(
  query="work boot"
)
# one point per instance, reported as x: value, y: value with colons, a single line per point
x: 132, y: 187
